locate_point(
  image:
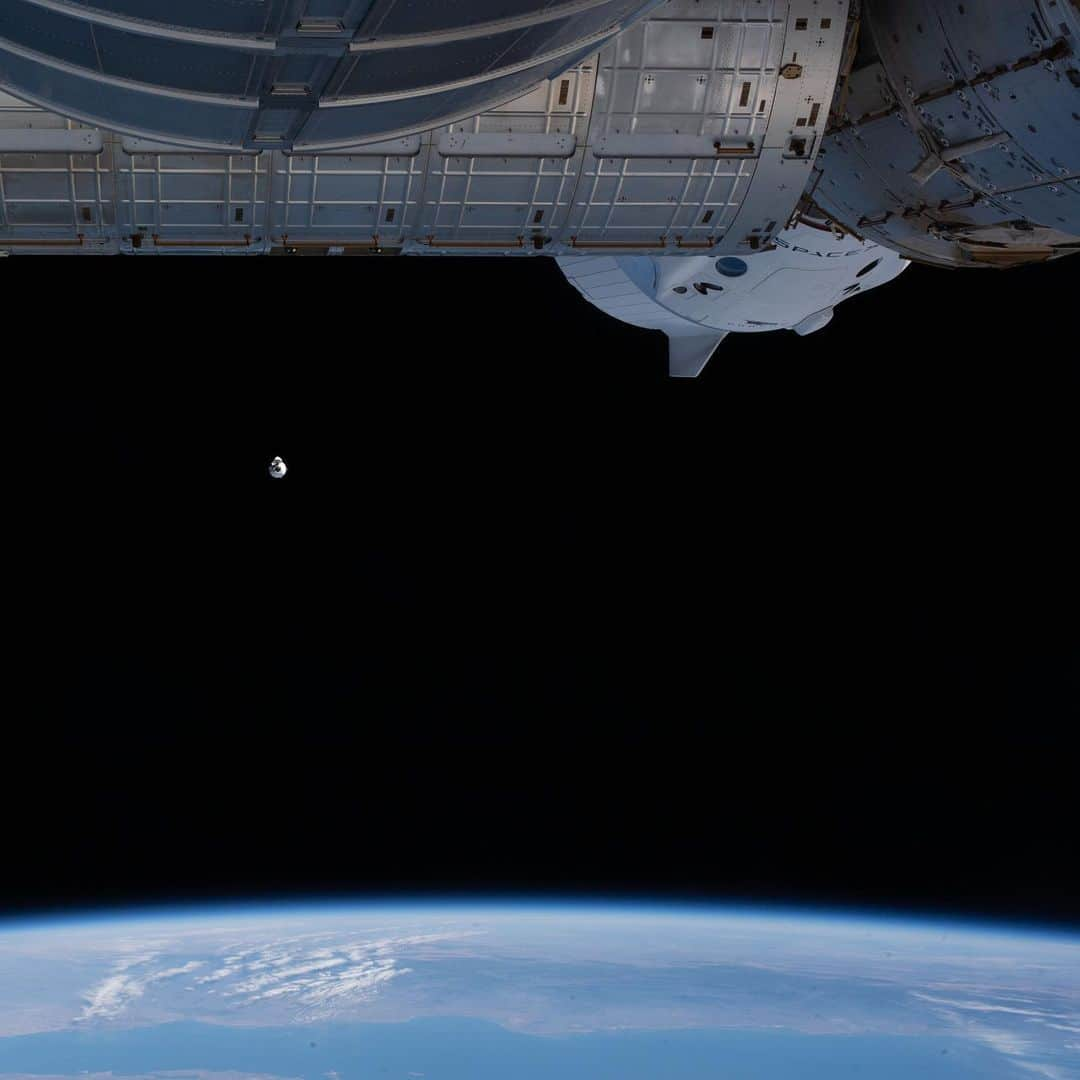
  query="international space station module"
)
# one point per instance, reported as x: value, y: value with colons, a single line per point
x: 701, y: 167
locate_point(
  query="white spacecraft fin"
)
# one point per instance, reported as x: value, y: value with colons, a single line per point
x: 812, y: 323
x: 688, y: 354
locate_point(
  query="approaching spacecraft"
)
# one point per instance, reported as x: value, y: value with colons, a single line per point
x: 701, y: 167
x: 278, y: 468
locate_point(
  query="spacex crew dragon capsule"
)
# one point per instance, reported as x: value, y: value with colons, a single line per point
x: 700, y: 167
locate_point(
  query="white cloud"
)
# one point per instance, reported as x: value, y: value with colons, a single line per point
x: 1023, y: 1052
x: 113, y: 994
x: 1042, y: 1069
x: 215, y: 976
x: 981, y: 1006
x: 319, y: 977
x: 184, y: 969
x: 252, y: 986
x: 315, y: 974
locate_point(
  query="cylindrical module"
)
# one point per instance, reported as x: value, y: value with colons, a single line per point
x: 956, y: 138
x: 283, y: 74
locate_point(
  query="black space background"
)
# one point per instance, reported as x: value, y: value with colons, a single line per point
x: 525, y: 615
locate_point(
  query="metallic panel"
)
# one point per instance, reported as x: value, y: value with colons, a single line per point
x: 959, y: 139
x: 266, y: 74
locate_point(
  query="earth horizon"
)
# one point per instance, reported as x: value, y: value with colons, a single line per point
x: 468, y: 991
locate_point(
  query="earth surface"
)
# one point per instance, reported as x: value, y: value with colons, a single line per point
x: 522, y: 993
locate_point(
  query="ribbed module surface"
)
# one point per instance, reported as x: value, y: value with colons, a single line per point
x: 279, y: 74
x: 957, y: 139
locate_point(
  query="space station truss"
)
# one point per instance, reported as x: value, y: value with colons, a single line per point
x: 694, y: 131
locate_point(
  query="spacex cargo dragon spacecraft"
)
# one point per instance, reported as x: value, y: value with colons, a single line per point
x: 702, y: 167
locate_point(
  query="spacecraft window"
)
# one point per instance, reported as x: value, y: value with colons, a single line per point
x: 868, y: 267
x: 731, y: 267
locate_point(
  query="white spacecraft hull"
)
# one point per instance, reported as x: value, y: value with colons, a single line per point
x: 680, y: 137
x: 803, y: 138
x: 697, y: 301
